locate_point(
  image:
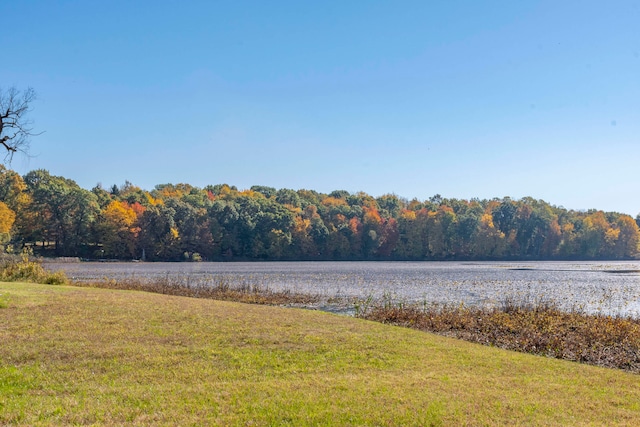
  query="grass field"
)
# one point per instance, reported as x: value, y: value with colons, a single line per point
x: 82, y: 356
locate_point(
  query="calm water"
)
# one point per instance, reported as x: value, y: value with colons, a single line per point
x: 607, y: 287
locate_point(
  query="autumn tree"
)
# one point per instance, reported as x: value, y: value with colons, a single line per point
x: 371, y: 230
x: 594, y: 239
x: 628, y: 238
x: 489, y: 242
x: 118, y: 230
x: 7, y: 218
x: 13, y: 193
x: 389, y: 238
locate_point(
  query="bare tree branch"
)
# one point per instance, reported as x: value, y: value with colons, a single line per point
x: 15, y: 128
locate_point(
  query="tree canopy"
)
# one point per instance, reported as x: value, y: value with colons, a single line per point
x: 173, y: 222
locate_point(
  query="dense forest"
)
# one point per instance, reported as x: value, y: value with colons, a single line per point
x: 55, y: 217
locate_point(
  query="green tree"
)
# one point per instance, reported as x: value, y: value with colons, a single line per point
x: 159, y: 237
x: 288, y: 197
x: 63, y: 212
x: 390, y: 205
x: 409, y: 243
x: 193, y: 228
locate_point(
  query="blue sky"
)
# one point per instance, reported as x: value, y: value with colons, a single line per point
x: 459, y: 98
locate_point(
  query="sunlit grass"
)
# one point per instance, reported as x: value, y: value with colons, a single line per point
x: 107, y: 357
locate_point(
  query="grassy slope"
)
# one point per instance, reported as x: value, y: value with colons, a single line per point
x: 83, y: 356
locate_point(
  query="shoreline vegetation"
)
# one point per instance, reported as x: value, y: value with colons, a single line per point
x: 539, y: 328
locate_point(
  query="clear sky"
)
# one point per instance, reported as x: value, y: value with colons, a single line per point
x: 459, y: 98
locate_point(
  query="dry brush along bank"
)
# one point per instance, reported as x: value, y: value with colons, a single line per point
x: 223, y: 289
x: 540, y: 329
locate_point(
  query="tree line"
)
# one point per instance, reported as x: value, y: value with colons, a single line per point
x: 56, y: 217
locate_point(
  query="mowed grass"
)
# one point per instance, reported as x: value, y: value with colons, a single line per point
x: 83, y: 356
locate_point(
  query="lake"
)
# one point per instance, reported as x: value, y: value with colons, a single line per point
x: 604, y: 287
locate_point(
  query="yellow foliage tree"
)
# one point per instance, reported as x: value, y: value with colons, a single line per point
x: 333, y: 201
x: 7, y: 218
x: 489, y: 241
x: 628, y: 237
x: 408, y: 215
x: 120, y: 214
x: 119, y: 229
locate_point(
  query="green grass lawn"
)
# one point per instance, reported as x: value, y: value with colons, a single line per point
x: 78, y: 356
